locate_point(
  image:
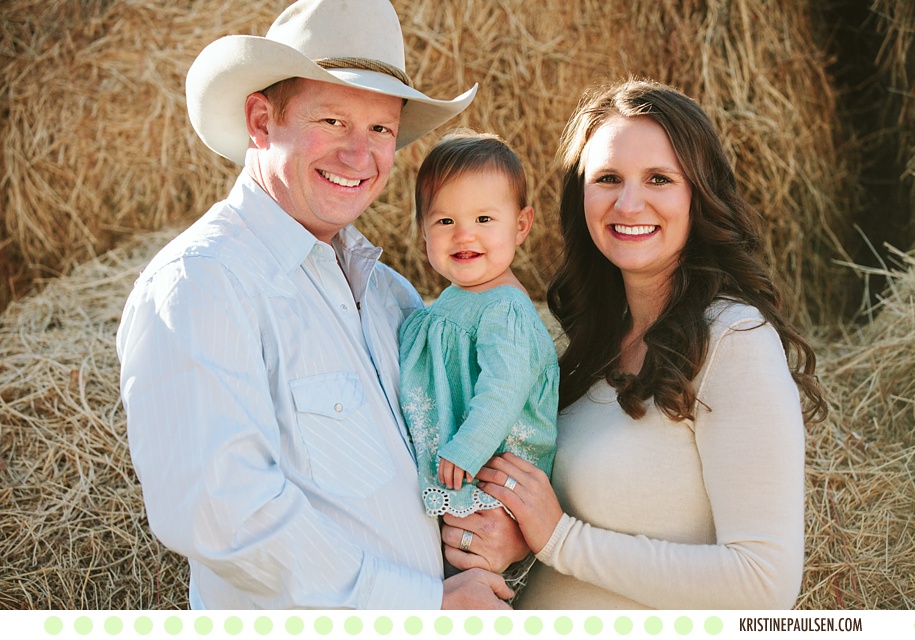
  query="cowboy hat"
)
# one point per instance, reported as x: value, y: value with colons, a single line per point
x: 353, y: 43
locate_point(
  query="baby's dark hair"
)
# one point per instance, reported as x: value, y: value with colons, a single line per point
x: 463, y: 151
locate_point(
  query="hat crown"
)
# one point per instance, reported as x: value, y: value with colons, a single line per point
x: 321, y: 29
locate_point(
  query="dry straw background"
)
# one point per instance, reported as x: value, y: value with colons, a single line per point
x: 100, y: 168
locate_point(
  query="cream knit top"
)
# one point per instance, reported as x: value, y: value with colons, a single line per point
x: 674, y: 515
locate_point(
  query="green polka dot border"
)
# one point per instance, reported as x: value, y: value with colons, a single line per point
x: 377, y: 625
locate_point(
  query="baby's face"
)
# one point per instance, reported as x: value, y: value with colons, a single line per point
x: 472, y: 228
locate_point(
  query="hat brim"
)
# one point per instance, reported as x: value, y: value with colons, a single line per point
x: 230, y: 69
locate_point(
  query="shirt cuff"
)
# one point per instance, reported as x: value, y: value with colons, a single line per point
x: 397, y: 587
x: 559, y: 534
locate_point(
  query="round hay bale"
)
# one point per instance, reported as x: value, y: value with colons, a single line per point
x: 896, y: 21
x: 73, y: 530
x: 99, y: 145
x: 861, y: 462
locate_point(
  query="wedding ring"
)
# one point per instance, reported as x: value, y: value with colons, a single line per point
x: 511, y: 483
x: 466, y: 539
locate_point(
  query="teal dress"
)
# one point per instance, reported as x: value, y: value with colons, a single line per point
x: 479, y: 376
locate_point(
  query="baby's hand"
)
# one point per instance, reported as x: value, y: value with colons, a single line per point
x: 451, y: 475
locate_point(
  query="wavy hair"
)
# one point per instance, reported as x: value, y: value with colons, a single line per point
x: 722, y: 258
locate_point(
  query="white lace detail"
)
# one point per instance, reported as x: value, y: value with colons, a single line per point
x: 438, y: 502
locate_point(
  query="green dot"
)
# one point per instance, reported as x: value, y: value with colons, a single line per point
x: 713, y: 625
x: 473, y: 625
x: 353, y: 626
x: 113, y: 625
x: 323, y: 626
x: 173, y: 625
x: 203, y: 625
x: 83, y: 626
x: 653, y: 625
x: 53, y: 625
x: 533, y: 625
x: 623, y: 625
x: 233, y: 625
x: 384, y: 626
x: 503, y: 625
x: 143, y: 625
x: 443, y: 626
x: 594, y: 625
x: 683, y: 625
x: 563, y: 625
x: 295, y: 626
x: 263, y: 625
x: 413, y: 625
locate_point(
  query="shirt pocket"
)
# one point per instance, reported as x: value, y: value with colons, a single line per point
x: 348, y: 456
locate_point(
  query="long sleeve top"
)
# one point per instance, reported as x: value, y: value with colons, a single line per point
x: 479, y: 376
x: 704, y: 514
x: 261, y: 386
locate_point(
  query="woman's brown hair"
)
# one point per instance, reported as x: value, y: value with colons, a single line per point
x: 722, y: 258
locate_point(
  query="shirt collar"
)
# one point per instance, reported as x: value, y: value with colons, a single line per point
x: 289, y: 241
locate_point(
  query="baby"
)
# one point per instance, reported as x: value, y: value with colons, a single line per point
x: 479, y: 374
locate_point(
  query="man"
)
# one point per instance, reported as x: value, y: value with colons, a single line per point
x: 259, y: 348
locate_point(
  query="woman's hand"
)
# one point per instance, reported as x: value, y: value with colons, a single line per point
x: 496, y: 540
x: 532, y: 500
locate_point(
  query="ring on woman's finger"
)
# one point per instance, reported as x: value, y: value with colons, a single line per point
x: 466, y: 539
x: 510, y: 484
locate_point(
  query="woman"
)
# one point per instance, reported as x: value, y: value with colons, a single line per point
x: 679, y: 475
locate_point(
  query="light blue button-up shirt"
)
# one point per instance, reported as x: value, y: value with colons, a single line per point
x: 262, y: 390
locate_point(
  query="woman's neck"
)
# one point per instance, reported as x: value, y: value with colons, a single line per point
x: 646, y: 301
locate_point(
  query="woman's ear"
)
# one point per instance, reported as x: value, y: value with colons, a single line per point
x: 525, y: 222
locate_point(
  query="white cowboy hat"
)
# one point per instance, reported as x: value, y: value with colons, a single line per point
x: 353, y: 43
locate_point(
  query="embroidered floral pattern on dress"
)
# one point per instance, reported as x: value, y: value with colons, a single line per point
x: 420, y: 411
x: 518, y: 441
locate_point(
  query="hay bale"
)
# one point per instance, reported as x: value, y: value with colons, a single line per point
x: 896, y: 21
x: 861, y: 462
x: 99, y: 146
x: 97, y: 141
x: 73, y: 530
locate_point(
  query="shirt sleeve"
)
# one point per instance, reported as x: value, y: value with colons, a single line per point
x: 506, y: 350
x: 206, y: 446
x: 751, y: 444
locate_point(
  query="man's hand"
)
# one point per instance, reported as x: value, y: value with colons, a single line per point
x: 476, y: 589
x: 497, y: 541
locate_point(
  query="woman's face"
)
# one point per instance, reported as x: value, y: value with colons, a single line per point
x: 636, y: 199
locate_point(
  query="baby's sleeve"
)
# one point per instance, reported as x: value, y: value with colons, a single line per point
x: 507, y: 352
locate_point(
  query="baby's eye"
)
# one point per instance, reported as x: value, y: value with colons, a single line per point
x: 332, y: 121
x: 483, y: 218
x: 445, y: 221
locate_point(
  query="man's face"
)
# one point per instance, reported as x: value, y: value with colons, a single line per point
x: 331, y: 156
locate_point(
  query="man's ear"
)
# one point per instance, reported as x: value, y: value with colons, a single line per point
x: 258, y: 112
x: 525, y: 222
